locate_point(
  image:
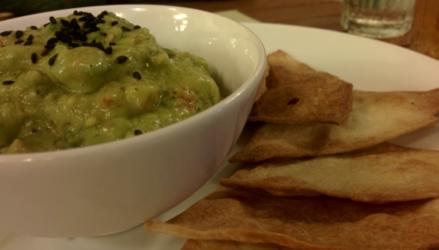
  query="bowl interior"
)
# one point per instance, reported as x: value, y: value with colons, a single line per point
x: 234, y: 54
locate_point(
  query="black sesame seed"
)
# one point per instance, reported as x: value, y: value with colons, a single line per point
x: 112, y: 43
x: 33, y: 27
x: 49, y: 46
x: 52, y: 20
x: 103, y: 34
x: 138, y: 132
x: 34, y: 58
x: 29, y: 40
x: 121, y: 59
x: 8, y: 82
x: 52, y: 40
x: 108, y: 50
x: 137, y: 75
x: 114, y: 23
x: 51, y: 43
x: 103, y: 13
x: 136, y: 27
x: 65, y: 23
x: 52, y: 59
x: 126, y: 29
x: 18, y: 41
x: 6, y: 33
x: 34, y: 130
x: 18, y: 34
x: 74, y: 24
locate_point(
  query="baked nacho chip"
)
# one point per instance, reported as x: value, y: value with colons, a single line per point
x: 307, y: 223
x: 376, y: 117
x: 386, y: 173
x: 298, y: 94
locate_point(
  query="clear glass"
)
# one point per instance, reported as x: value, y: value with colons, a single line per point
x: 378, y: 18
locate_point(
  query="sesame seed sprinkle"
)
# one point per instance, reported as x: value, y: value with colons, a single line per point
x: 121, y: 59
x: 29, y: 40
x: 18, y: 34
x: 137, y: 75
x: 8, y: 82
x: 52, y: 59
x: 73, y: 32
x: 34, y: 58
x: 52, y: 20
x: 6, y: 33
x: 65, y: 23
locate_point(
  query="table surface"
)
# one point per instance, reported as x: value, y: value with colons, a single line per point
x: 423, y: 38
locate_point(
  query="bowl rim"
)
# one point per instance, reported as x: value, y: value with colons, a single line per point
x: 111, y: 145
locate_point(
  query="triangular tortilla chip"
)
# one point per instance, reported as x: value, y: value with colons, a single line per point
x: 227, y: 245
x: 307, y: 223
x: 376, y: 117
x: 298, y: 94
x: 387, y: 173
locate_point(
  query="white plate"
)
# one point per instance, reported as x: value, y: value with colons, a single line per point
x: 369, y: 64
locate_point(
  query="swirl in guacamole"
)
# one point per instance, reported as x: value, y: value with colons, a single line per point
x: 84, y: 79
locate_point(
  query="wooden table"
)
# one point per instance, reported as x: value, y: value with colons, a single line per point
x: 424, y: 37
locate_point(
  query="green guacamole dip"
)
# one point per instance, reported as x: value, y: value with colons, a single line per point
x: 84, y: 79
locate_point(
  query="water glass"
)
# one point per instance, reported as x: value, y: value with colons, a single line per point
x: 378, y: 18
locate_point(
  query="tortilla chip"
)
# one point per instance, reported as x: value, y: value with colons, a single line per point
x: 387, y: 173
x: 307, y: 223
x: 376, y: 117
x: 298, y: 94
x: 227, y: 245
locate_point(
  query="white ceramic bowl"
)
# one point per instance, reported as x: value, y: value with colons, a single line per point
x: 111, y: 187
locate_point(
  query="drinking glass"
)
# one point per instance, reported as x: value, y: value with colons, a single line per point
x: 378, y: 18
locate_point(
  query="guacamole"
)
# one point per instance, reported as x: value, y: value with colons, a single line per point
x: 85, y: 79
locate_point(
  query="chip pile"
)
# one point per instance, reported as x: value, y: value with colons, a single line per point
x: 320, y: 173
